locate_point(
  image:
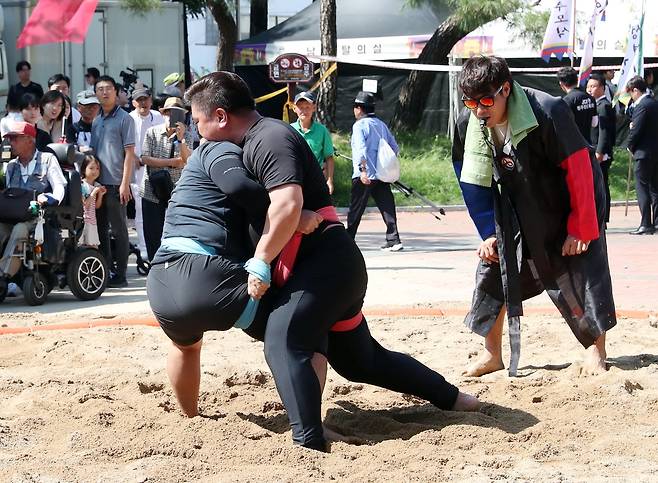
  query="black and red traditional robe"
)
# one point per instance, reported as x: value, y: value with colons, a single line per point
x: 549, y: 186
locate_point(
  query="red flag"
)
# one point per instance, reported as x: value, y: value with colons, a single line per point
x: 57, y: 21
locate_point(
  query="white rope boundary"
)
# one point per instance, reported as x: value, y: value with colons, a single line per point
x: 443, y: 68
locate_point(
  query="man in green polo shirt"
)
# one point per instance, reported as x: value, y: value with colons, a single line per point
x: 317, y: 136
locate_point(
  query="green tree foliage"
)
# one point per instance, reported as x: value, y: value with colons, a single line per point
x: 194, y: 7
x: 223, y: 12
x: 466, y: 16
x: 531, y: 25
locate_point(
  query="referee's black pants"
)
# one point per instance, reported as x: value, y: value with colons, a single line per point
x: 381, y: 192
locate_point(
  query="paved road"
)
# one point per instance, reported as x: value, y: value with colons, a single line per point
x: 436, y: 269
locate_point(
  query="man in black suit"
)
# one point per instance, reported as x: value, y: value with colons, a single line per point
x: 581, y: 104
x: 604, y: 135
x: 643, y: 144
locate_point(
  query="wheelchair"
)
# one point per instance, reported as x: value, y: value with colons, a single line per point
x: 56, y: 260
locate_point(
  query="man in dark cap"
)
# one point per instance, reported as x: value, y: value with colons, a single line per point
x: 366, y: 133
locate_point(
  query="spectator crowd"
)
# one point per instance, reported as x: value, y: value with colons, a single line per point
x: 137, y: 144
x: 134, y: 144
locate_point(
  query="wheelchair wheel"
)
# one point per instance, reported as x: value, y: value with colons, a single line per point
x: 4, y: 287
x: 87, y: 274
x: 35, y: 289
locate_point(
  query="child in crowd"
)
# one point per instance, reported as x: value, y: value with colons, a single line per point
x: 92, y: 199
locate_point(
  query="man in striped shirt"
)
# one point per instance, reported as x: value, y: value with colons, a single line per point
x: 165, y: 147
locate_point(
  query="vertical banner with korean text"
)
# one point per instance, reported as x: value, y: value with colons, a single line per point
x: 587, y: 59
x: 633, y: 63
x: 558, y: 36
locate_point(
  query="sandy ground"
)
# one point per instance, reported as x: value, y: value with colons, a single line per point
x: 95, y: 404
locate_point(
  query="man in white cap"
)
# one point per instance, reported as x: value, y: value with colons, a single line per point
x: 89, y: 106
x: 144, y: 118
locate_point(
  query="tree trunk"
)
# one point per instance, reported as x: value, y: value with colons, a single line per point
x: 228, y: 33
x: 413, y: 95
x: 327, y: 100
x: 258, y: 17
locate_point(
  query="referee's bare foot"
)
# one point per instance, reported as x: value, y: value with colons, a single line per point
x: 466, y: 402
x: 595, y: 360
x: 485, y: 364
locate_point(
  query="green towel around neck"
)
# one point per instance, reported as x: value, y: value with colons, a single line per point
x: 478, y: 155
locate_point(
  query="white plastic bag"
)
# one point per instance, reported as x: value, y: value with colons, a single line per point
x: 388, y: 164
x: 38, y: 231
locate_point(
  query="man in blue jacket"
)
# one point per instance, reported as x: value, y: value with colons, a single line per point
x: 366, y: 133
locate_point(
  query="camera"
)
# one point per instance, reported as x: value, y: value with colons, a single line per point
x: 129, y: 78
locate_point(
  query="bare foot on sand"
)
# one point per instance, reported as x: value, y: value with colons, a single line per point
x: 484, y: 364
x: 334, y: 437
x: 595, y: 360
x: 466, y: 402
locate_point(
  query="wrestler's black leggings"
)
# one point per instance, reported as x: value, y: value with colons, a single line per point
x: 328, y: 285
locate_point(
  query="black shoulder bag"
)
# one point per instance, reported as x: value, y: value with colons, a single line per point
x: 161, y: 181
x: 15, y: 205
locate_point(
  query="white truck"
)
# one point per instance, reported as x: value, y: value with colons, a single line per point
x: 117, y: 38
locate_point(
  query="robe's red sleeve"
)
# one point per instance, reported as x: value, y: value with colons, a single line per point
x: 582, y: 222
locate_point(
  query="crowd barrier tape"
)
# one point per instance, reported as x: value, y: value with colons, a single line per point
x: 329, y: 71
x: 442, y: 68
x: 266, y: 97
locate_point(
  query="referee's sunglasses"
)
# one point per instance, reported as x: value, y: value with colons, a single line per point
x: 484, y: 101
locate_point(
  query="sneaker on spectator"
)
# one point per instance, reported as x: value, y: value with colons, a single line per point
x: 116, y: 282
x: 12, y: 289
x: 392, y: 246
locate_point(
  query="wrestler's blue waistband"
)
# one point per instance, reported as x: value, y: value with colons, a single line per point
x: 187, y: 245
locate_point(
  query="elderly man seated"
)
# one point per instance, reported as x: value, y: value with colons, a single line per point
x: 31, y: 170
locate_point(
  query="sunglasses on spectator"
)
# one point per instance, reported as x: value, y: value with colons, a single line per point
x: 484, y: 101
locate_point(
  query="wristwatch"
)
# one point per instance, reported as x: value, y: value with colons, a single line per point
x: 362, y: 168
